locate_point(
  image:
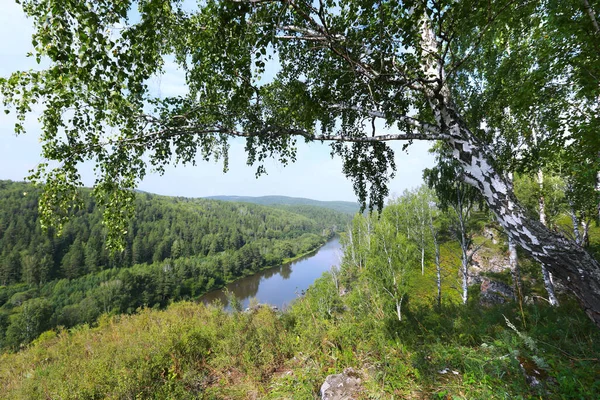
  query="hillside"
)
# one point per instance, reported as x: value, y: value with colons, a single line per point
x: 347, y: 207
x: 176, y: 248
x: 197, y: 351
x: 375, y: 318
x: 393, y: 317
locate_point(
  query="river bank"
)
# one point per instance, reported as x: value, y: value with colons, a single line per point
x: 278, y: 286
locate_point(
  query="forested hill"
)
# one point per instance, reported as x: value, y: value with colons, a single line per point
x: 163, y: 227
x: 347, y: 207
x: 176, y: 248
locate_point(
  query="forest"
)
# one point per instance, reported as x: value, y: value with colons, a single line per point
x: 504, y: 87
x: 176, y: 249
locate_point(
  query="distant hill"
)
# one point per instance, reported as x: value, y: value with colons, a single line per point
x: 347, y: 207
x: 175, y: 248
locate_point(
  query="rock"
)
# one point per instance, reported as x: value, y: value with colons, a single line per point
x: 491, y: 235
x: 256, y: 307
x: 495, y: 263
x: 494, y: 292
x: 344, y: 386
x: 534, y: 375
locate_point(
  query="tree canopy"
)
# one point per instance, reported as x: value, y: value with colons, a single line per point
x: 480, y: 76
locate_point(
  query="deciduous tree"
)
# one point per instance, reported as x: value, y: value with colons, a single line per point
x: 424, y: 68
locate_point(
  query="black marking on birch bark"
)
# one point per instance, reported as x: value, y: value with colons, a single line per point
x: 568, y: 262
x: 466, y: 157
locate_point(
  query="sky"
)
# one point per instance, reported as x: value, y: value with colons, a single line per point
x: 314, y: 175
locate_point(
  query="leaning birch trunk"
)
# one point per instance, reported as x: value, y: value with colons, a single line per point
x: 548, y: 281
x: 579, y: 271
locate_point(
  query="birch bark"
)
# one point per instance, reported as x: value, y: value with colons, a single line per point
x: 579, y: 271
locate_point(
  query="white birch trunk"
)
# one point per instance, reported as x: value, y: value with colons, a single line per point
x: 438, y: 271
x: 399, y: 308
x: 592, y: 16
x: 465, y: 277
x: 585, y: 236
x: 575, y: 222
x: 438, y: 268
x: 423, y: 259
x: 541, y: 200
x: 514, y: 269
x: 548, y: 281
x: 575, y: 267
x: 512, y: 246
x: 549, y: 287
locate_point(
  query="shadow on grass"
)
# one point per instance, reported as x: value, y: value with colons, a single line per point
x: 474, y: 352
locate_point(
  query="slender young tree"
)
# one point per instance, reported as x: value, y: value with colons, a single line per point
x: 393, y: 261
x: 461, y: 199
x: 419, y: 208
x: 409, y: 213
x: 435, y: 225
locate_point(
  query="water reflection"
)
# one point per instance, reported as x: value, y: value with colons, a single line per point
x: 280, y: 285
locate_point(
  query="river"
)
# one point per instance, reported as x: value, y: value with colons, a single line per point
x: 278, y: 286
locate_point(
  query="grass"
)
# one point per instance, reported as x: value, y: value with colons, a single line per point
x: 195, y: 351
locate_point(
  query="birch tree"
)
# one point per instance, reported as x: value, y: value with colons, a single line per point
x: 409, y: 213
x: 393, y: 260
x: 462, y: 200
x: 420, y: 67
x: 436, y: 225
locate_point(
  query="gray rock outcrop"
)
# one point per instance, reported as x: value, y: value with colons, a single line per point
x: 494, y: 292
x: 344, y: 386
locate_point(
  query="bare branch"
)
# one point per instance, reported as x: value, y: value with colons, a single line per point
x: 169, y: 133
x: 409, y: 120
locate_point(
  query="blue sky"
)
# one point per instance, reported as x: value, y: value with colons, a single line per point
x: 315, y: 175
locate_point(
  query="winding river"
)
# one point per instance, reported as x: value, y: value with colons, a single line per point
x: 278, y: 286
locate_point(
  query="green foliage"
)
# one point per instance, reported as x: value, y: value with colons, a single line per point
x: 500, y: 63
x: 176, y: 249
x: 31, y: 319
x: 346, y: 319
x: 528, y: 191
x: 194, y: 351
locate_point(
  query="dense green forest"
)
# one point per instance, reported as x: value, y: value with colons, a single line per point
x: 341, y: 206
x: 176, y: 248
x: 393, y: 311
